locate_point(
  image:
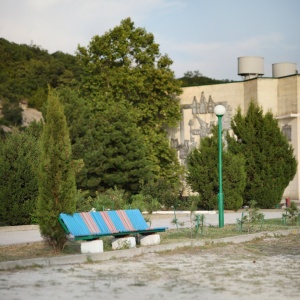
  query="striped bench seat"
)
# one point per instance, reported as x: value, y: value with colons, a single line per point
x: 94, y: 224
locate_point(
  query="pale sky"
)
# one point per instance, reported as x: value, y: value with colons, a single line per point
x: 204, y: 35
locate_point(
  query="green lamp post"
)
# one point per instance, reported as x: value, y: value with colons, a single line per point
x: 220, y: 111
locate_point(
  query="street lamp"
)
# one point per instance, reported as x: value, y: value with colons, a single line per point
x: 220, y: 110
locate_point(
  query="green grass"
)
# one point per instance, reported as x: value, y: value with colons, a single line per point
x: 214, y: 232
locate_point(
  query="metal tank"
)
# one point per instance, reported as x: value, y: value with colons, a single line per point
x: 283, y: 69
x: 250, y: 66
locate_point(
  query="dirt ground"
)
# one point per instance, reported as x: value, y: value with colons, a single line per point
x: 261, y: 269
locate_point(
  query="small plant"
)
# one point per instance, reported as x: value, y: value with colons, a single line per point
x: 292, y: 214
x: 175, y: 220
x: 199, y: 219
x: 33, y: 218
x: 148, y: 220
x: 89, y: 260
x: 251, y: 217
x: 124, y: 244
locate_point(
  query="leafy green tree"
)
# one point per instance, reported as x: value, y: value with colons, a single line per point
x: 270, y: 162
x: 18, y: 181
x: 56, y: 181
x: 202, y: 176
x: 125, y: 65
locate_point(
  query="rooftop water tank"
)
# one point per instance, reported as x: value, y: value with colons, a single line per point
x: 284, y: 69
x: 250, y: 66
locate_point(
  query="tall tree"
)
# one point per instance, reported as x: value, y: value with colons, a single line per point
x: 270, y: 162
x: 125, y: 65
x: 57, y: 186
x: 202, y: 176
x: 18, y: 179
x: 110, y: 143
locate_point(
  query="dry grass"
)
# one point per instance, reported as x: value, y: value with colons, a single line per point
x: 40, y: 249
x: 35, y: 250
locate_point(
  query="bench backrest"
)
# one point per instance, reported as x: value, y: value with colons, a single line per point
x: 101, y: 223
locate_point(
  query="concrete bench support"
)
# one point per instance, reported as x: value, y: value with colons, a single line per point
x: 95, y: 246
x: 149, y: 240
x: 123, y: 243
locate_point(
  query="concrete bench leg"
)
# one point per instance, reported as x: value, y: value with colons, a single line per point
x: 149, y: 240
x: 123, y: 243
x: 95, y: 246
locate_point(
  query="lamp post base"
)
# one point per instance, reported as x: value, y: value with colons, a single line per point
x: 221, y: 209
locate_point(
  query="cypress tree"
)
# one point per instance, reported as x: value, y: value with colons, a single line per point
x: 56, y: 183
x: 270, y: 162
x: 202, y: 176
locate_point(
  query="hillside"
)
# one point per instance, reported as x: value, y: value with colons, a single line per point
x: 25, y: 74
x: 26, y: 71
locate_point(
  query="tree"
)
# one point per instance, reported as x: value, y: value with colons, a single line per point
x: 202, y: 176
x: 18, y: 180
x: 270, y: 162
x: 56, y: 181
x: 195, y: 78
x: 110, y: 143
x: 125, y: 65
x: 26, y: 71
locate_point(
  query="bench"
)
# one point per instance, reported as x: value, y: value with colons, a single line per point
x: 93, y: 225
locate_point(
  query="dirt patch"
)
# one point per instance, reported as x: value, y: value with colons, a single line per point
x: 35, y: 250
x: 262, y: 269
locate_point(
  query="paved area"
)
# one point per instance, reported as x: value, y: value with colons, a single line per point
x: 221, y: 273
x: 231, y: 272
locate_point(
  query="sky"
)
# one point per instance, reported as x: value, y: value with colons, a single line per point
x: 198, y: 35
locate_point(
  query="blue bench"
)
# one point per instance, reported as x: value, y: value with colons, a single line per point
x: 95, y: 224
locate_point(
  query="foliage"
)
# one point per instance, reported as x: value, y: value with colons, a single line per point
x: 56, y: 180
x: 253, y: 212
x: 164, y: 191
x: 83, y: 201
x: 27, y: 70
x: 251, y: 217
x: 18, y: 181
x: 195, y: 78
x: 202, y: 174
x: 111, y: 145
x: 125, y: 65
x: 191, y: 202
x: 12, y: 114
x: 270, y: 162
x: 111, y: 199
x: 145, y: 203
x: 292, y: 213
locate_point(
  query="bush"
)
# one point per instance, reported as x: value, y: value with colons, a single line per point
x: 111, y: 199
x: 163, y: 191
x: 145, y: 203
x: 18, y: 178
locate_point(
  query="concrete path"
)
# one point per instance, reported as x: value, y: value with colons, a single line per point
x: 26, y: 234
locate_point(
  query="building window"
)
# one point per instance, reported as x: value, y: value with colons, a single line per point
x: 287, y: 131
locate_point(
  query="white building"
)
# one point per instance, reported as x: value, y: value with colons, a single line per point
x: 279, y: 94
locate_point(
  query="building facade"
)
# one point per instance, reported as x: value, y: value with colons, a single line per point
x: 279, y: 95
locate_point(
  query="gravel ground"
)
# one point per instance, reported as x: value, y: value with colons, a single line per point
x: 261, y: 269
